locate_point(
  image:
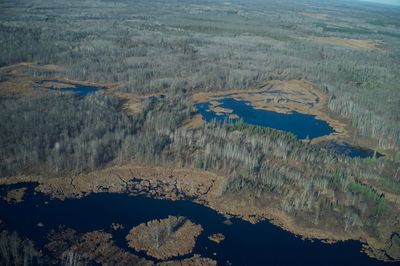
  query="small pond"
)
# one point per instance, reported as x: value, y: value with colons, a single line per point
x: 245, y: 244
x: 349, y: 150
x: 301, y: 125
x: 78, y: 89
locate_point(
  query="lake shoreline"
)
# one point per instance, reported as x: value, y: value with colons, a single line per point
x: 201, y: 187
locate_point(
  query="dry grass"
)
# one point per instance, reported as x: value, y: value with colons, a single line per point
x: 206, y: 186
x: 166, y: 238
x: 196, y: 260
x: 350, y: 43
x: 15, y: 195
x: 195, y: 122
x: 58, y: 85
x: 131, y: 102
x: 17, y: 80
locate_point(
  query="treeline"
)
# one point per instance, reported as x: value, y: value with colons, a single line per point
x: 16, y: 251
x: 273, y: 167
x: 59, y: 134
x: 386, y: 131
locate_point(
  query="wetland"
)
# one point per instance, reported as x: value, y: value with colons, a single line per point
x: 89, y: 218
x: 195, y: 132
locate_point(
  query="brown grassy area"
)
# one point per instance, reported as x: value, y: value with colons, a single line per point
x: 18, y: 81
x: 217, y: 238
x: 190, y: 182
x: 365, y: 44
x: 15, y: 195
x: 131, y: 103
x: 165, y: 238
x: 96, y: 245
x: 195, y: 122
x: 58, y: 85
x: 196, y: 260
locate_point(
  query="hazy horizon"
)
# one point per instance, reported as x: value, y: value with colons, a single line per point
x: 387, y: 2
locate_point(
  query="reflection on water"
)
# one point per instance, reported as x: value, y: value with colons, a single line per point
x: 244, y: 244
x: 79, y: 89
x: 301, y: 125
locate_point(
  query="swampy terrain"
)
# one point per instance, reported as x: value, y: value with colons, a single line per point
x: 293, y: 107
x: 56, y: 85
x: 199, y: 132
x: 301, y: 125
x: 244, y: 243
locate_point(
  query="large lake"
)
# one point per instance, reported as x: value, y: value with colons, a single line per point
x: 245, y: 244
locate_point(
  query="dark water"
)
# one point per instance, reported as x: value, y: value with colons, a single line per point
x: 245, y: 243
x: 301, y: 125
x: 79, y: 89
x: 349, y: 150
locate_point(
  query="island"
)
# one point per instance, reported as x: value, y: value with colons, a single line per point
x: 165, y: 238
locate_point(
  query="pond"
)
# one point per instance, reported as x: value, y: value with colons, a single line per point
x: 349, y: 150
x: 63, y: 86
x: 301, y: 125
x: 245, y: 244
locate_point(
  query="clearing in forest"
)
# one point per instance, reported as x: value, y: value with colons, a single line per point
x: 365, y: 44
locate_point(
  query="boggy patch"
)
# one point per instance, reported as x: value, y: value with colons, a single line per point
x: 165, y: 238
x: 281, y: 97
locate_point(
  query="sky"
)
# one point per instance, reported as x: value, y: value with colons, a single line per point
x: 390, y: 2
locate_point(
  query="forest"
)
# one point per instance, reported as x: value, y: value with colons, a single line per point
x: 150, y: 46
x: 260, y: 162
x: 166, y: 51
